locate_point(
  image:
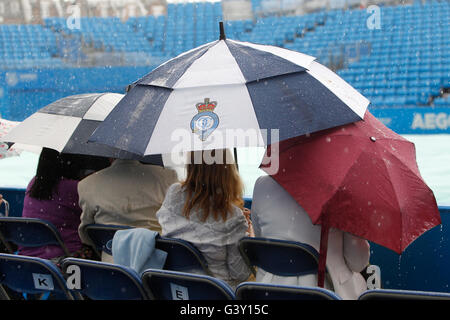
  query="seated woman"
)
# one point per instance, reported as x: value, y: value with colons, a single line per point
x: 207, y: 210
x: 52, y: 196
x: 275, y: 214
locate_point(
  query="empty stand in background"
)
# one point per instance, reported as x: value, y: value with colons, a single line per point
x: 402, y: 62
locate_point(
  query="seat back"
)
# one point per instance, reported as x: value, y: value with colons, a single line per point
x: 32, y: 275
x: 29, y: 232
x: 264, y: 291
x: 105, y: 281
x: 101, y: 234
x: 174, y: 285
x: 181, y: 255
x: 390, y: 294
x: 279, y: 257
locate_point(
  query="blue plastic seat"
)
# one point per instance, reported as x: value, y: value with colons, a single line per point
x: 390, y: 294
x: 279, y: 257
x: 182, y: 255
x: 105, y: 281
x: 31, y: 275
x: 264, y: 291
x: 29, y: 232
x: 100, y: 234
x: 174, y: 285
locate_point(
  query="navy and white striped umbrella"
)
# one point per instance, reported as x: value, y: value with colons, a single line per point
x: 203, y: 98
x: 66, y: 125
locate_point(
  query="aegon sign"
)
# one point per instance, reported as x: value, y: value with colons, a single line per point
x: 431, y: 120
x: 420, y: 120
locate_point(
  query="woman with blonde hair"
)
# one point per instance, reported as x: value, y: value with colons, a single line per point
x: 207, y: 210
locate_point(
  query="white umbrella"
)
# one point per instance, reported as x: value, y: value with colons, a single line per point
x: 210, y: 96
x: 66, y: 124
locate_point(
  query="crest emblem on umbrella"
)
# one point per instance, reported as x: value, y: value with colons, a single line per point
x: 205, y: 121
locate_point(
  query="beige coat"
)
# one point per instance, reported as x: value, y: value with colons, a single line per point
x: 126, y: 193
x: 275, y: 214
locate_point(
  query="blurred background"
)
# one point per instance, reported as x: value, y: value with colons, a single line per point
x: 396, y: 53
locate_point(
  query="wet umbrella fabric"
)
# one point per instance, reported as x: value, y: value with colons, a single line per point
x: 66, y: 124
x: 194, y: 101
x: 361, y: 178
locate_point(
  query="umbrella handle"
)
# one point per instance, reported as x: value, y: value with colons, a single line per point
x: 323, y: 253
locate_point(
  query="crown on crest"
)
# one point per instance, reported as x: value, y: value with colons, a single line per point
x: 206, y: 105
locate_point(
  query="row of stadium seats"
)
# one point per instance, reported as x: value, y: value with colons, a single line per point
x: 28, y: 46
x: 97, y: 280
x: 406, y: 56
x: 104, y: 281
x: 442, y: 101
x: 409, y: 56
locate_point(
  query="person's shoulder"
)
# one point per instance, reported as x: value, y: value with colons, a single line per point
x: 262, y: 180
x: 30, y: 184
x: 236, y: 213
x: 98, y: 175
x: 163, y: 171
x: 174, y: 189
x: 91, y: 181
x: 68, y: 184
x: 265, y: 183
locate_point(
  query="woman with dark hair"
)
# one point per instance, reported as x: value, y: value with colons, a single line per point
x: 52, y: 196
x: 207, y: 209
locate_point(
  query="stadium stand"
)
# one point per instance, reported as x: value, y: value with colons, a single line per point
x: 403, y: 61
x: 28, y: 46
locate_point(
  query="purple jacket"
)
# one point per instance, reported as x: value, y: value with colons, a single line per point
x: 63, y: 212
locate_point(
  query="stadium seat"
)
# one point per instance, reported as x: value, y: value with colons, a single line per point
x: 279, y: 257
x: 264, y: 291
x: 100, y: 234
x: 105, y: 281
x: 390, y: 294
x: 30, y: 275
x: 174, y: 285
x: 182, y: 256
x: 29, y: 232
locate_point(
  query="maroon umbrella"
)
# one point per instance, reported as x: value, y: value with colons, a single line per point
x: 361, y: 178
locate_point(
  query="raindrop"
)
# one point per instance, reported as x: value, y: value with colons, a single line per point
x: 328, y: 139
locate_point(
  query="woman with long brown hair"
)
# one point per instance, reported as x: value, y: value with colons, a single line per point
x: 207, y: 210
